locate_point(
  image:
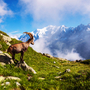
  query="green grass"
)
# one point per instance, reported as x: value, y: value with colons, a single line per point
x: 77, y: 79
x: 3, y: 33
x: 4, y: 45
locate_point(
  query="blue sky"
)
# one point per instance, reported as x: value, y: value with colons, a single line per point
x: 18, y: 16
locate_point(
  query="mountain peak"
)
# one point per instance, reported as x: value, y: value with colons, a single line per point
x: 64, y: 40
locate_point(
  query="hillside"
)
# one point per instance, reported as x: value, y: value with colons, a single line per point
x: 52, y: 73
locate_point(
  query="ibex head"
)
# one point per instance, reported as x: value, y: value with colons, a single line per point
x: 31, y: 36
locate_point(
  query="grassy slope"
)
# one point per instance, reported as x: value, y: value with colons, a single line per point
x: 45, y: 67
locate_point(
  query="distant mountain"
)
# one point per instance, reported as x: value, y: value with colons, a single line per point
x: 64, y: 39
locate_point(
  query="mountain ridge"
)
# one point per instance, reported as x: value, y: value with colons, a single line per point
x: 62, y: 39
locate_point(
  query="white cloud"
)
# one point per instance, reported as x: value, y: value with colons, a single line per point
x: 4, y: 10
x: 54, y: 10
x: 14, y: 34
x: 40, y: 45
x: 70, y: 55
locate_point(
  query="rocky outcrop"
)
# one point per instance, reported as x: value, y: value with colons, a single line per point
x: 78, y: 60
x: 25, y: 67
x: 62, y: 59
x: 13, y: 78
x: 2, y: 78
x: 48, y: 55
x: 5, y: 58
x: 7, y: 39
x: 5, y: 80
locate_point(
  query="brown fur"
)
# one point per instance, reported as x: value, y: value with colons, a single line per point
x: 20, y: 47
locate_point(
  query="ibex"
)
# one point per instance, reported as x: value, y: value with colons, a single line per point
x: 20, y: 47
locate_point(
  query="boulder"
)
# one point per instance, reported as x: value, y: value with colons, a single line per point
x: 78, y: 60
x: 2, y: 78
x: 1, y: 51
x: 5, y: 58
x: 18, y: 84
x: 26, y: 67
x: 48, y: 55
x: 41, y: 78
x: 62, y: 59
x: 57, y: 77
x: 6, y: 38
x: 7, y: 83
x: 8, y: 43
x: 67, y: 70
x: 13, y: 78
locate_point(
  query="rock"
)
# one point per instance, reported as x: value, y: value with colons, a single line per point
x: 6, y: 38
x: 2, y: 78
x: 25, y: 67
x: 59, y: 73
x: 67, y: 70
x: 5, y: 58
x: 61, y: 79
x: 62, y: 59
x: 8, y: 55
x: 13, y: 78
x: 41, y: 78
x: 18, y: 84
x: 57, y: 77
x: 54, y: 62
x: 57, y: 67
x: 8, y: 43
x: 29, y: 78
x: 48, y: 55
x: 1, y: 52
x: 28, y: 68
x: 2, y: 64
x: 7, y: 83
x: 78, y: 60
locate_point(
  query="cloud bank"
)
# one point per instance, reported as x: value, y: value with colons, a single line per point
x: 40, y: 45
x: 54, y: 10
x: 14, y: 34
x: 70, y: 55
x: 4, y: 10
